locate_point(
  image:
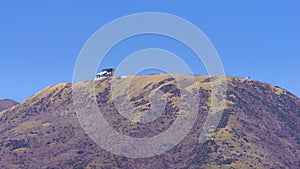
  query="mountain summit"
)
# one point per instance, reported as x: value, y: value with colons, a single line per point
x: 259, y: 128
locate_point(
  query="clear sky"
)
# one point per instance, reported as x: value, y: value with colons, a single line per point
x: 40, y: 40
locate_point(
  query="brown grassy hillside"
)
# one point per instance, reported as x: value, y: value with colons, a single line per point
x: 260, y: 127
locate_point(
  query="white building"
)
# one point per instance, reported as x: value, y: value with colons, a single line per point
x: 105, y: 73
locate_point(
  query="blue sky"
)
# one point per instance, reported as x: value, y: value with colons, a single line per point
x: 40, y: 40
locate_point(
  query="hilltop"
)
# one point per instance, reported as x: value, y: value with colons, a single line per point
x: 260, y: 127
x: 7, y: 103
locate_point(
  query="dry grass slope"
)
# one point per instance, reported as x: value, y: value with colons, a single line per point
x: 259, y: 128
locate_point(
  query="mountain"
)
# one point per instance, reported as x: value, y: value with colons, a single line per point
x: 7, y: 103
x: 259, y: 127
